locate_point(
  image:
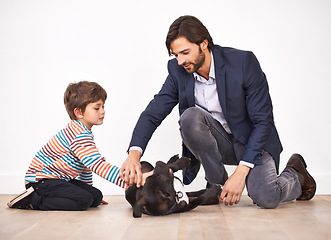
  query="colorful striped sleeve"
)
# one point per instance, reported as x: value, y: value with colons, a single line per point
x: 84, y: 148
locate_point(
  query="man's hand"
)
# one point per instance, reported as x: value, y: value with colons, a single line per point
x: 131, y: 169
x: 234, y: 186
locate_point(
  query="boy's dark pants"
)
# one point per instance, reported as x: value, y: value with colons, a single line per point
x: 59, y: 194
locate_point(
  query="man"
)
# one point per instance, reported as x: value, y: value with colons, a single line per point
x: 225, y: 118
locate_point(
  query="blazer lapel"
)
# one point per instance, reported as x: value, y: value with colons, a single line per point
x: 189, y: 89
x: 220, y: 79
x: 220, y: 82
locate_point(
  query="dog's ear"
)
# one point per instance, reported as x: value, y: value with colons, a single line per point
x: 131, y: 194
x: 146, y: 167
x: 138, y: 206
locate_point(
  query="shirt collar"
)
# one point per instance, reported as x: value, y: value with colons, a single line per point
x: 83, y: 126
x: 211, y: 71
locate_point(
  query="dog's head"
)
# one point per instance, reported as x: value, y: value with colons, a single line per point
x: 158, y: 192
x: 158, y: 196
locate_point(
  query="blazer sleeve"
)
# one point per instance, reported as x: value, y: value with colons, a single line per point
x: 259, y: 109
x: 155, y: 112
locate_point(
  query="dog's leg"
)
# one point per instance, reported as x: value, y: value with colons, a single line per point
x: 173, y: 159
x: 196, y: 193
x: 181, y: 163
x: 199, y: 198
x: 211, y: 200
x: 210, y: 195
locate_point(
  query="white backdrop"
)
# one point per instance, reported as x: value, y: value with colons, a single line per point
x: 45, y: 45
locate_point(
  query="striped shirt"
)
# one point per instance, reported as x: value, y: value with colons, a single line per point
x: 72, y: 154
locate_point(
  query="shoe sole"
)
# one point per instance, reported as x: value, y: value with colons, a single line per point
x: 19, y: 197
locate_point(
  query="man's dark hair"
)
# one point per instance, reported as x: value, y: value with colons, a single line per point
x: 191, y: 28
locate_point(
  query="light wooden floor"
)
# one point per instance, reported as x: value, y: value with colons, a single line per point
x: 294, y: 220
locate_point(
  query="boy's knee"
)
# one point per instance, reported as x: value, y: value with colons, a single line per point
x: 85, y: 202
x: 97, y: 198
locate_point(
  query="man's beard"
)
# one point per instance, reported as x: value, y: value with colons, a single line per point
x: 199, y: 62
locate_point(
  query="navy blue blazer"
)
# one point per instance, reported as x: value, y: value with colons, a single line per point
x: 243, y: 94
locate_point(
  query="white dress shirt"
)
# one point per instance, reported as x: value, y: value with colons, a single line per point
x: 206, y: 96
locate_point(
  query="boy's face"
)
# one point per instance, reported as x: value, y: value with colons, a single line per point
x: 93, y: 115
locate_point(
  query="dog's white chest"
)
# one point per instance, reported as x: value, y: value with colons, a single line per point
x: 180, y: 191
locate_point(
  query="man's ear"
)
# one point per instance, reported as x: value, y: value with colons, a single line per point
x: 78, y: 113
x: 204, y: 44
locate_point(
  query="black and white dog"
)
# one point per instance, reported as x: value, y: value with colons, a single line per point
x: 163, y: 193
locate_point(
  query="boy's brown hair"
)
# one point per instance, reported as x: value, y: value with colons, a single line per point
x: 80, y: 94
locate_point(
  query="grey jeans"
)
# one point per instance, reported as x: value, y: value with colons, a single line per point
x: 214, y: 147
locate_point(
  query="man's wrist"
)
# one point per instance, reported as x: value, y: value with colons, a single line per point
x: 136, y: 148
x: 250, y: 165
x: 242, y: 169
x: 134, y: 155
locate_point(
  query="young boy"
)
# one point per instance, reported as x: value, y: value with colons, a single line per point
x: 60, y: 175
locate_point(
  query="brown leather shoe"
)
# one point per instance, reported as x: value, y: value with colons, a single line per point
x: 309, y: 185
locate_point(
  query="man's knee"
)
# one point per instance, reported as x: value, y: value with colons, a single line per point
x: 190, y: 121
x: 268, y: 200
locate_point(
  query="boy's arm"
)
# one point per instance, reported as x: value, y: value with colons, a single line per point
x: 85, y: 149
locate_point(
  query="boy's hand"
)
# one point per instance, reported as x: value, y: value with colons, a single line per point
x: 103, y: 202
x: 131, y: 169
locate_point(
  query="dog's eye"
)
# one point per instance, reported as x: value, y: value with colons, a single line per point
x: 164, y: 195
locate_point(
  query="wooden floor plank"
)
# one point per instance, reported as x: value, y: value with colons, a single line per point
x: 293, y: 220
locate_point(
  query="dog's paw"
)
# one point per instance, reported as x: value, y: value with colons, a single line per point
x: 212, y: 194
x: 183, y: 162
x: 176, y: 163
x: 214, y: 190
x: 173, y: 159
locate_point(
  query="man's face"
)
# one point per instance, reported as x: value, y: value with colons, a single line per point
x: 189, y: 55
